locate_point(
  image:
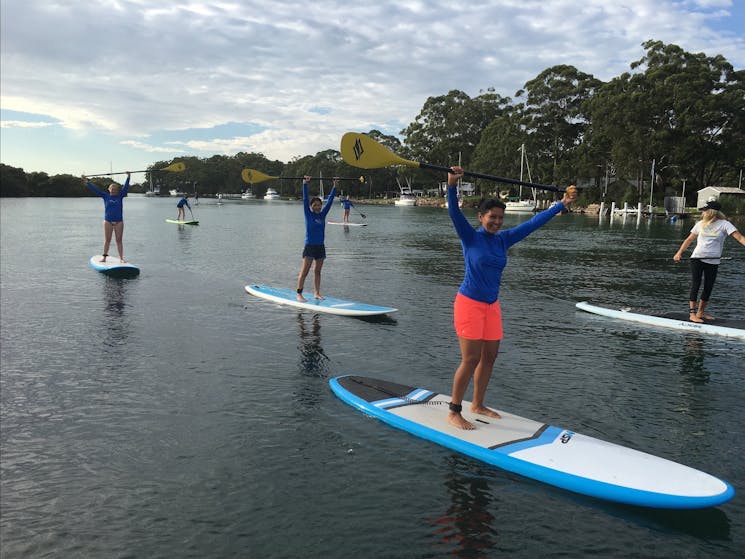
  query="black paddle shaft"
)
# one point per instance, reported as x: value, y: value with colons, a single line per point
x: 492, y: 178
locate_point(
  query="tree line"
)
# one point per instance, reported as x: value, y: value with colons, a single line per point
x: 679, y: 113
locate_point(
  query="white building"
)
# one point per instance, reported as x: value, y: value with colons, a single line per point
x: 705, y: 194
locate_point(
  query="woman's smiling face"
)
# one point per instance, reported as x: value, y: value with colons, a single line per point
x: 492, y: 220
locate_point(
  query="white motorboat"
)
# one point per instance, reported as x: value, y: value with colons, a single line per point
x: 405, y: 200
x: 248, y: 195
x: 271, y: 194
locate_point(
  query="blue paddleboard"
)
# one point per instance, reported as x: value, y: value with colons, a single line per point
x: 328, y: 305
x: 537, y: 450
x: 113, y: 267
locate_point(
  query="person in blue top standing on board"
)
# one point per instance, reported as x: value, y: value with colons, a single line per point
x: 709, y: 234
x: 477, y: 314
x: 181, y: 211
x: 346, y: 204
x: 113, y: 201
x: 315, y: 232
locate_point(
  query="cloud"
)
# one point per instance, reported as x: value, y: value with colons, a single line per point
x: 299, y: 75
x: 24, y: 124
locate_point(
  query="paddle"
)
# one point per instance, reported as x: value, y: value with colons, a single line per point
x: 192, y: 215
x: 362, y: 151
x: 252, y: 176
x: 359, y: 212
x: 670, y: 259
x: 173, y: 168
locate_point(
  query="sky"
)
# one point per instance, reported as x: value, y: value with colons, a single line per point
x: 96, y: 86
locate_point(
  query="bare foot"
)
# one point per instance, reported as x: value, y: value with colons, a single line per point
x: 693, y: 317
x: 705, y: 316
x: 459, y: 421
x: 301, y: 298
x: 318, y: 296
x: 483, y: 410
x: 122, y: 260
x: 103, y: 259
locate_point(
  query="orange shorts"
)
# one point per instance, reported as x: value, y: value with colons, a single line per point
x: 475, y: 320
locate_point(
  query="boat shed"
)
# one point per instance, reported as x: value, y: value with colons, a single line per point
x: 706, y: 194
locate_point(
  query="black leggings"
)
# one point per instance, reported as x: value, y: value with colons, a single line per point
x: 709, y: 273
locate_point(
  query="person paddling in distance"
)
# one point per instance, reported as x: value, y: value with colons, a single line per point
x: 709, y: 233
x: 477, y: 316
x: 180, y: 206
x: 346, y: 204
x: 113, y: 201
x: 315, y: 232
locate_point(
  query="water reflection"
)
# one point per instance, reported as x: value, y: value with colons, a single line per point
x: 466, y: 529
x: 313, y: 361
x: 116, y: 323
x: 692, y: 360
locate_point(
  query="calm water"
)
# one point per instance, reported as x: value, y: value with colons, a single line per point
x: 174, y: 415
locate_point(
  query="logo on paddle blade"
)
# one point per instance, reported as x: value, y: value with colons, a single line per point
x: 358, y: 149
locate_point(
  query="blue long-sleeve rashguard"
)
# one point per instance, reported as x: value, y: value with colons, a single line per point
x: 114, y: 207
x: 484, y: 253
x: 315, y: 223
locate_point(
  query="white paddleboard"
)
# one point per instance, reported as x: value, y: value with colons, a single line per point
x: 329, y: 305
x: 113, y: 266
x: 182, y: 222
x: 349, y: 223
x: 678, y: 321
x: 553, y: 455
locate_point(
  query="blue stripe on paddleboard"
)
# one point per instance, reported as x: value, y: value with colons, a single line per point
x: 556, y: 478
x: 418, y: 395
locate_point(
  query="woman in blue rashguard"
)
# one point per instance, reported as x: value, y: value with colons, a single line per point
x: 477, y: 315
x: 180, y: 206
x: 315, y: 231
x: 346, y: 204
x: 113, y: 201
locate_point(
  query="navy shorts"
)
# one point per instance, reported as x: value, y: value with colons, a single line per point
x: 316, y: 252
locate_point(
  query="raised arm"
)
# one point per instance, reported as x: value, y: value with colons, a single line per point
x: 93, y: 187
x: 462, y: 227
x: 125, y: 188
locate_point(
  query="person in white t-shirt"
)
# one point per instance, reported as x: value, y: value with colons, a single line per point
x: 709, y: 234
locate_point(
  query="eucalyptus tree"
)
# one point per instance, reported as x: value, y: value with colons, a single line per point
x: 499, y: 150
x: 681, y: 110
x: 13, y: 181
x: 555, y: 120
x: 449, y: 127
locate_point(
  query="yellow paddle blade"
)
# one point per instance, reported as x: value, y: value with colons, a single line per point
x: 252, y: 176
x: 362, y: 151
x: 175, y: 167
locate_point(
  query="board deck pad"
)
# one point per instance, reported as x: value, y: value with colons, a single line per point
x: 183, y: 222
x: 732, y: 328
x: 329, y: 305
x: 536, y: 450
x: 113, y: 266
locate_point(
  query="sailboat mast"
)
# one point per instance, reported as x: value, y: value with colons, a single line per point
x: 522, y: 160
